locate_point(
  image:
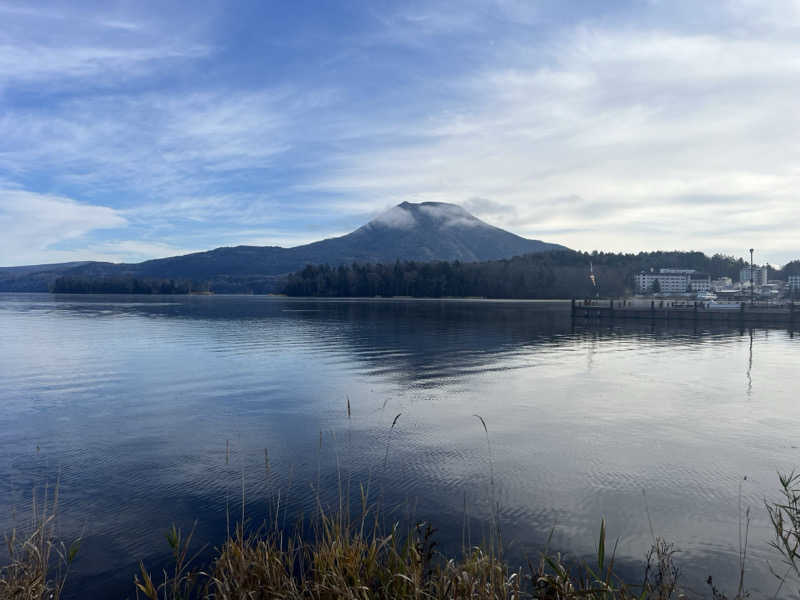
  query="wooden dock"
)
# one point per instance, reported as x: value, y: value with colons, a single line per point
x: 787, y: 315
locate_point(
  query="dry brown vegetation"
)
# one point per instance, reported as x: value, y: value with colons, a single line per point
x: 357, y: 560
x: 364, y: 558
x: 38, y: 563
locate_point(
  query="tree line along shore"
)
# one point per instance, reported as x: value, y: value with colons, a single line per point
x: 556, y: 274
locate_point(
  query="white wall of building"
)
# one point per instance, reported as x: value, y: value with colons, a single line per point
x: 670, y: 283
x: 701, y: 284
x: 759, y: 276
x: 674, y: 281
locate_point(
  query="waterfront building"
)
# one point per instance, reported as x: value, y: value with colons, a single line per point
x: 759, y: 276
x: 700, y: 282
x: 794, y: 283
x: 674, y: 281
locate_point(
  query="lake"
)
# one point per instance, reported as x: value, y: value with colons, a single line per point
x: 153, y: 410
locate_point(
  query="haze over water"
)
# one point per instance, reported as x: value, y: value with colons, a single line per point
x: 130, y: 403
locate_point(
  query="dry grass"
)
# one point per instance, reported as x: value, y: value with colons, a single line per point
x: 362, y: 560
x: 340, y: 558
x: 337, y: 557
x: 38, y: 564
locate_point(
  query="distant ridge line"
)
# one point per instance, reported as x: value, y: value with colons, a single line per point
x: 426, y: 231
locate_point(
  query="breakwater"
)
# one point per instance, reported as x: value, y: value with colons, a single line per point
x: 782, y: 315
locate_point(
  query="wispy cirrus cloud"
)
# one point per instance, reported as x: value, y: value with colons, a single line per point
x: 53, y: 49
x: 150, y: 143
x: 35, y: 62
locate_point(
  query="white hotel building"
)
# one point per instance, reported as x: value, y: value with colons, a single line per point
x: 674, y: 281
x: 759, y: 276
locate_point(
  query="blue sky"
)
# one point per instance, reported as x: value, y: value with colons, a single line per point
x: 136, y: 130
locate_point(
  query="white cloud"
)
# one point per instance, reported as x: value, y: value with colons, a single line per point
x: 154, y: 144
x: 123, y: 251
x: 449, y: 215
x: 781, y: 16
x: 34, y: 62
x: 32, y: 223
x: 669, y: 140
x: 48, y: 49
x: 396, y: 218
x: 132, y: 251
x: 275, y: 237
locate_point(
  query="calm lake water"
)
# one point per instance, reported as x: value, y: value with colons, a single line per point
x: 131, y: 402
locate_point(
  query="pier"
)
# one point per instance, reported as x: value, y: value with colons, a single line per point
x: 686, y: 310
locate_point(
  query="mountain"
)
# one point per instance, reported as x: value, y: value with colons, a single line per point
x: 422, y: 232
x: 35, y: 278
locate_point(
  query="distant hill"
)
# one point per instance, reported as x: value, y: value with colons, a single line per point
x: 420, y: 232
x: 35, y: 278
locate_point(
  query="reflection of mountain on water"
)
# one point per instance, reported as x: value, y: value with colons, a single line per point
x: 425, y: 341
x: 422, y: 341
x: 416, y: 340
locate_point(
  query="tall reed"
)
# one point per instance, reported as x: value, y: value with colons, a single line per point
x: 38, y: 564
